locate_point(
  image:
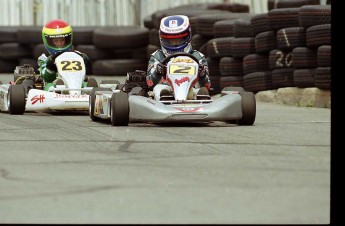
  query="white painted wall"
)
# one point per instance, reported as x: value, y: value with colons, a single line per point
x: 96, y: 12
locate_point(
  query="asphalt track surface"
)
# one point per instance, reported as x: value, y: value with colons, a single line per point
x: 65, y: 168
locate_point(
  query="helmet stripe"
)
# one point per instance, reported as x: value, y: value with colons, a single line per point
x: 49, y: 31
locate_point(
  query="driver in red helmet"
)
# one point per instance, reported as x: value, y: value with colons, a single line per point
x: 175, y: 36
x: 57, y: 38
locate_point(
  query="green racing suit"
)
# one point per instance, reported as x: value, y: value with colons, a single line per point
x: 49, y: 76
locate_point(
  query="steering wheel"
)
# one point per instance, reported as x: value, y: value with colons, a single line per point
x: 166, y: 60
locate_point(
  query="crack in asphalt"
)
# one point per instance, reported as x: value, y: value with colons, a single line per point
x: 64, y: 193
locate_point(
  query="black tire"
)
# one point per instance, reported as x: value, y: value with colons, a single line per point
x: 119, y: 109
x: 120, y: 37
x: 92, y: 99
x: 28, y: 84
x: 8, y: 34
x: 14, y: 51
x: 230, y: 81
x: 118, y: 67
x: 29, y: 35
x: 233, y: 88
x: 91, y: 82
x: 248, y: 109
x: 110, y: 82
x: 16, y: 99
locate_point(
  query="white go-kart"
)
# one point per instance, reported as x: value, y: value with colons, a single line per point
x: 71, y: 93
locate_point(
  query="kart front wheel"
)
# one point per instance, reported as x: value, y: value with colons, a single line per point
x: 119, y: 109
x: 248, y: 109
x: 16, y: 99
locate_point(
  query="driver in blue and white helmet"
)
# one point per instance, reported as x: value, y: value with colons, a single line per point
x: 175, y: 36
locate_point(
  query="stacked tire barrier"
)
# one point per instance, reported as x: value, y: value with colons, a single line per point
x: 289, y: 46
x: 285, y: 47
x: 112, y: 50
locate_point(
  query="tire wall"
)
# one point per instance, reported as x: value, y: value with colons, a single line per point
x: 289, y: 46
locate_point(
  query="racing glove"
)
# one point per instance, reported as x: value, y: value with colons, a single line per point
x: 51, y: 61
x: 50, y: 65
x: 161, y: 69
x: 38, y: 79
x: 203, y: 71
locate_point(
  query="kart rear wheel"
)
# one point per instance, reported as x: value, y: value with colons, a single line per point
x: 110, y: 82
x: 119, y: 109
x: 91, y: 82
x: 16, y: 99
x: 248, y: 109
x: 92, y: 99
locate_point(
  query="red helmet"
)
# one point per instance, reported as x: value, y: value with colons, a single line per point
x: 57, y: 36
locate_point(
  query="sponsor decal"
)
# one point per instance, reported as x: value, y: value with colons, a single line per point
x: 37, y: 98
x: 173, y: 23
x: 184, y: 60
x: 101, y: 106
x: 151, y: 101
x: 174, y: 36
x: 189, y: 109
x: 173, y: 30
x: 182, y: 80
x: 57, y: 95
x: 98, y: 105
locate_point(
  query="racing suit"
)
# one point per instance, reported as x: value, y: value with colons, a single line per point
x: 50, y: 75
x: 158, y: 56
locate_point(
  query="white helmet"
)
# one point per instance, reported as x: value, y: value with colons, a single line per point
x: 175, y: 34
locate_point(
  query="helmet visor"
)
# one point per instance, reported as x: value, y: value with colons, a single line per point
x: 59, y: 41
x: 174, y: 40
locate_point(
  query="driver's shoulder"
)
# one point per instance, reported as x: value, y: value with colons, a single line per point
x: 159, y: 55
x: 197, y: 54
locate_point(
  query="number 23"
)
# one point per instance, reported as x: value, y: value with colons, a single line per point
x: 71, y: 65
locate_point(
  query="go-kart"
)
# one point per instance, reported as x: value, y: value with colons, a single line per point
x: 70, y: 93
x: 183, y: 105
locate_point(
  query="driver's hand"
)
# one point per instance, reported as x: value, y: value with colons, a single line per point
x: 50, y: 64
x: 203, y: 71
x: 161, y: 69
x: 38, y: 79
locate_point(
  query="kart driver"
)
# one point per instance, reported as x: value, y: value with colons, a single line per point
x: 175, y: 36
x: 57, y: 38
